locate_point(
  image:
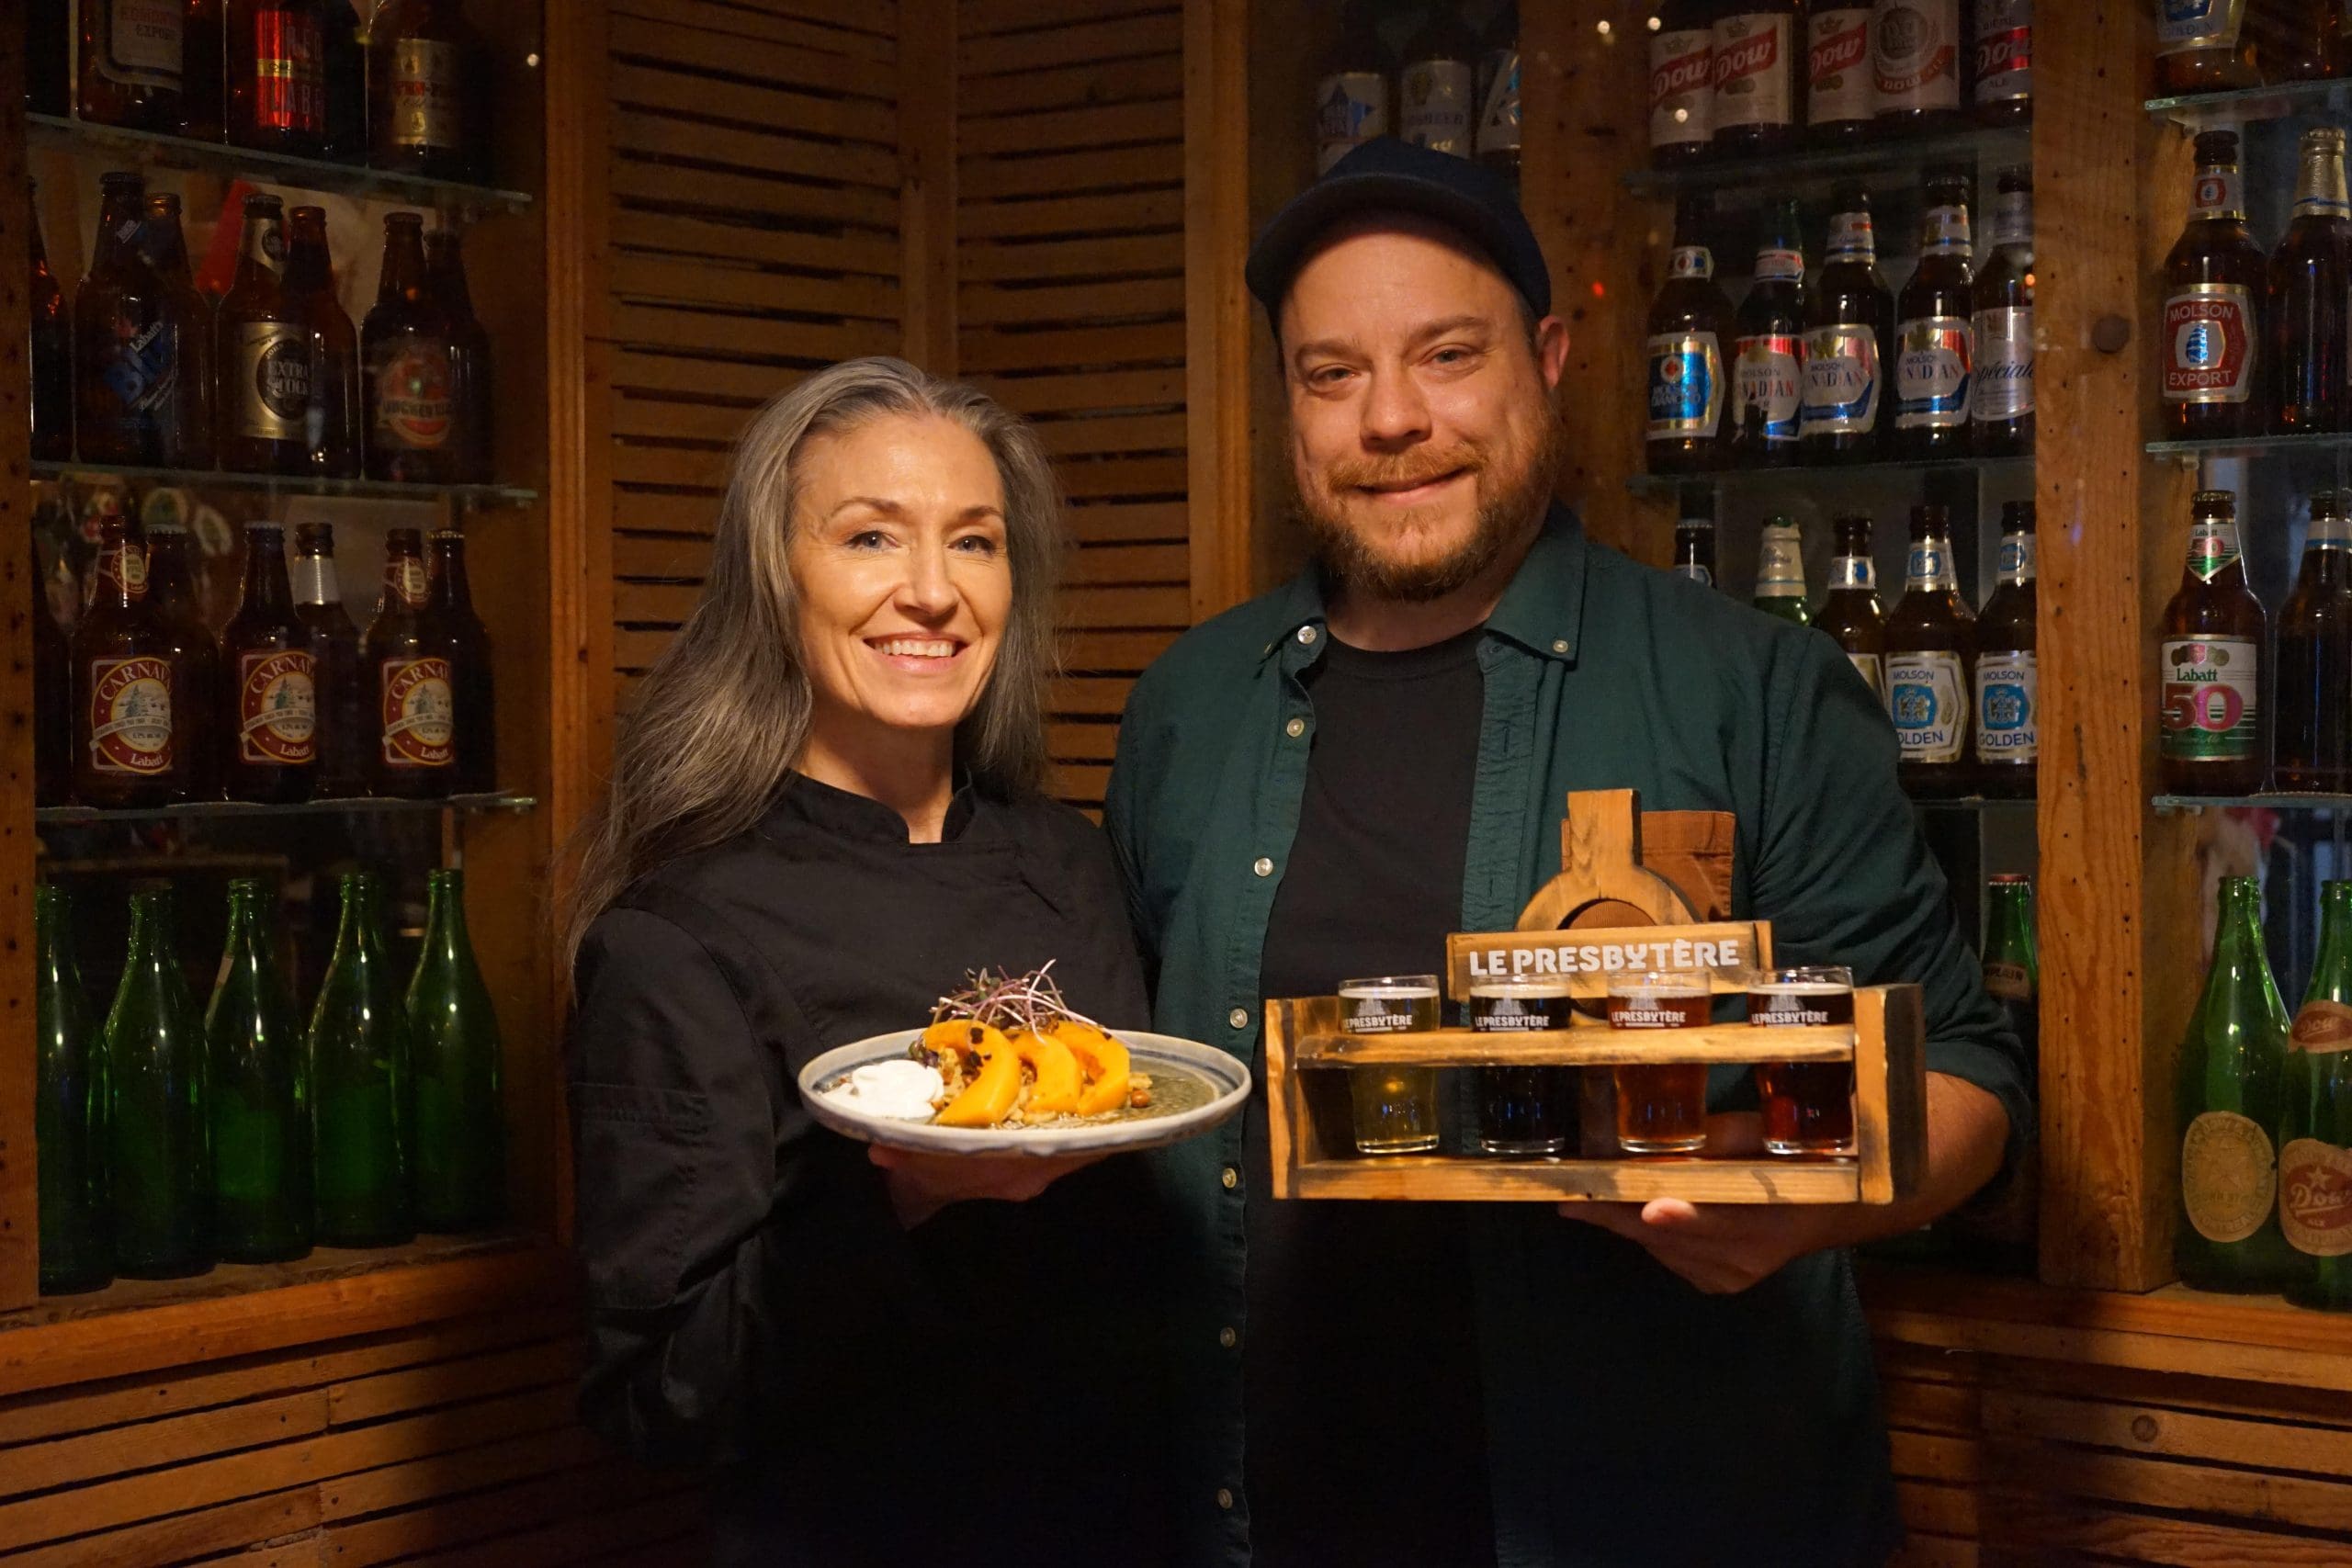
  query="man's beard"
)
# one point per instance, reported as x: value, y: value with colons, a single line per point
x: 1512, y: 491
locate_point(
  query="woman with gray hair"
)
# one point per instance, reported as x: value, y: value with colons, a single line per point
x: 823, y: 810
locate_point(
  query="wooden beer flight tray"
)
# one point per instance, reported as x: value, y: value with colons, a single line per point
x: 1600, y: 854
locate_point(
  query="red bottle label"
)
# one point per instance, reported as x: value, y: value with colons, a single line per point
x: 289, y: 72
x: 2315, y: 1197
x: 2208, y: 344
x: 1751, y: 74
x: 1836, y: 68
x: 414, y: 403
x: 278, y: 708
x: 1682, y: 83
x: 419, y: 715
x: 131, y: 716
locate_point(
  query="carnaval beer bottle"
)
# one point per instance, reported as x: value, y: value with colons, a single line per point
x: 2311, y: 277
x: 1351, y: 93
x: 1850, y: 613
x: 261, y: 1132
x: 1840, y: 99
x: 158, y: 1142
x: 411, y: 406
x: 409, y: 659
x: 1758, y: 79
x: 130, y: 682
x: 1936, y: 329
x: 1768, y: 374
x: 2231, y: 1066
x: 2215, y: 280
x: 1930, y: 662
x: 346, y: 737
x: 2313, y: 727
x: 1686, y: 358
x: 1682, y: 83
x: 2209, y: 663
x: 459, y: 1170
x: 2008, y: 691
x: 361, y: 1103
x: 170, y: 590
x: 269, y: 700
x: 1436, y: 87
x: 2315, y: 1131
x: 1849, y: 328
x: 2000, y: 411
x: 1780, y: 572
x: 69, y: 1109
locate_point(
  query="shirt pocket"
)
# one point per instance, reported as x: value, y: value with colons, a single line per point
x: 639, y: 1152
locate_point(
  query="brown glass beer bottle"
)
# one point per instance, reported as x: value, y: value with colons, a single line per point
x: 1850, y: 611
x: 1682, y: 83
x: 470, y: 375
x: 133, y: 56
x: 278, y: 75
x: 2209, y: 663
x: 129, y: 680
x: 2314, y: 724
x: 269, y: 707
x: 452, y: 608
x: 2009, y: 688
x: 1759, y: 77
x: 170, y: 590
x: 411, y: 656
x: 411, y: 407
x: 263, y: 354
x: 332, y: 421
x: 2215, y: 282
x: 2204, y: 46
x: 2004, y: 61
x: 1935, y: 329
x: 125, y: 356
x: 185, y: 423
x: 2310, y: 287
x: 1920, y: 61
x: 2001, y: 419
x: 1840, y: 99
x: 424, y: 89
x: 345, y: 738
x: 1931, y: 662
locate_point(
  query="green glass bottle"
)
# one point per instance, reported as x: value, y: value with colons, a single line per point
x: 2315, y: 1135
x: 360, y: 1084
x: 158, y: 1141
x: 1780, y: 572
x: 2232, y: 1067
x: 460, y: 1131
x: 2012, y: 968
x: 261, y: 1130
x: 69, y: 1109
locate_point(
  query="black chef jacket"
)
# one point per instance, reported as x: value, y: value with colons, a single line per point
x: 987, y: 1388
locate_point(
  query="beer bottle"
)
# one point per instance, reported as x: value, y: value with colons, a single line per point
x: 69, y: 1109
x: 1351, y: 93
x: 410, y: 656
x: 1682, y: 83
x: 52, y: 351
x: 52, y: 701
x: 1840, y: 101
x: 2203, y: 46
x: 125, y: 355
x: 2001, y: 391
x: 1756, y: 83
x: 1437, y: 86
x: 203, y: 72
x: 130, y: 679
x: 2004, y: 61
x: 2008, y: 692
x: 2012, y: 966
x: 2214, y: 284
x: 261, y: 1133
x: 1931, y: 661
x: 425, y: 86
x: 132, y: 58
x: 2311, y: 277
x: 263, y: 353
x: 159, y: 1143
x: 469, y: 377
x: 2304, y: 44
x: 1850, y: 611
x: 1498, y: 95
x: 2315, y: 723
x: 1694, y: 535
x: 331, y: 419
x: 1919, y: 58
x: 346, y: 736
x: 360, y: 1097
x: 278, y: 75
x: 452, y: 610
x: 269, y: 708
x: 411, y: 410
x: 196, y: 760
x: 184, y: 421
x: 1780, y: 572
x: 2315, y: 1132
x: 1768, y: 379
x: 2209, y: 663
x: 1936, y: 331
x: 2232, y: 1067
x: 1686, y: 357
x: 1850, y: 325
x: 460, y: 1128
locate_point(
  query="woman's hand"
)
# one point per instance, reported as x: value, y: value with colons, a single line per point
x: 921, y: 1185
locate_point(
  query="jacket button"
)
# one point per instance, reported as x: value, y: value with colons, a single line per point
x: 1306, y: 637
x: 1230, y: 1177
x: 1263, y: 866
x: 1560, y: 645
x: 1224, y: 1499
x: 1238, y: 1018
x: 1227, y: 1338
x: 1294, y: 728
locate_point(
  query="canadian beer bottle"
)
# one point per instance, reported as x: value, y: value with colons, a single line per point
x: 185, y: 418
x: 2311, y: 277
x: 125, y: 354
x: 52, y: 352
x: 346, y: 737
x: 2202, y: 46
x: 1768, y: 374
x: 1436, y: 85
x: 196, y: 752
x: 1682, y: 83
x: 361, y: 1102
x: 1935, y: 330
x: 2004, y: 61
x: 1686, y: 357
x: 130, y: 682
x: 2233, y: 1065
x: 410, y: 661
x: 1694, y: 535
x: 411, y: 408
x: 452, y: 611
x: 158, y: 1142
x: 331, y: 432
x: 1919, y: 62
x: 1351, y: 93
x: 263, y: 348
x: 2001, y: 391
x: 1849, y: 327
x: 1780, y: 572
x: 2314, y: 718
x: 69, y: 1109
x: 424, y: 89
x: 261, y: 1132
x: 278, y: 75
x: 461, y: 1173
x: 2209, y: 663
x: 1841, y: 100
x: 1850, y: 613
x: 132, y: 56
x: 1759, y: 78
x: 2315, y: 1130
x: 269, y: 699
x: 1499, y: 93
x: 2215, y: 280
x: 469, y: 378
x: 1931, y: 661
x: 2008, y: 692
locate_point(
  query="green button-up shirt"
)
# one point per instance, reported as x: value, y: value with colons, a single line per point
x: 1630, y: 1419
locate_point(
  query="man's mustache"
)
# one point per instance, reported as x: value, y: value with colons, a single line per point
x: 1402, y: 473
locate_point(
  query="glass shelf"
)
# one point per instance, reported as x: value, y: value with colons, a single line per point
x: 285, y: 484
x: 2319, y: 446
x: 1906, y: 157
x: 1669, y: 484
x: 237, y: 810
x: 2286, y: 100
x: 2287, y: 800
x: 269, y: 168
x: 1972, y: 803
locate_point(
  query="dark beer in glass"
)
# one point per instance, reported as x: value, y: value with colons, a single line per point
x: 1523, y: 1110
x: 1661, y: 1110
x: 1808, y: 1106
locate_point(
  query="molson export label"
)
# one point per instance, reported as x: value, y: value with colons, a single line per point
x: 1682, y: 86
x: 131, y: 716
x: 271, y: 380
x: 2184, y: 24
x: 2229, y: 1176
x: 2208, y: 343
x: 1838, y: 60
x: 414, y: 407
x: 144, y: 45
x: 278, y: 708
x: 419, y: 716
x: 1751, y: 84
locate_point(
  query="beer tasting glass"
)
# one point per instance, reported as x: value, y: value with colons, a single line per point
x: 1661, y: 1110
x: 1396, y: 1106
x: 1523, y: 1110
x: 1808, y: 1106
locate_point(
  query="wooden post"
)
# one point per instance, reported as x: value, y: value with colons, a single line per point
x: 1217, y: 303
x: 19, y: 1232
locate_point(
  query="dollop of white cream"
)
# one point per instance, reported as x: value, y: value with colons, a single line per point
x: 897, y: 1091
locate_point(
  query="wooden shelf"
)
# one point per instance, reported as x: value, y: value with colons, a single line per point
x: 283, y: 484
x: 1597, y: 1046
x: 245, y: 811
x: 2288, y: 800
x: 2324, y: 445
x: 1632, y: 1179
x: 2283, y: 100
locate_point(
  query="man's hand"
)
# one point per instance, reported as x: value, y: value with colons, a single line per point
x: 921, y: 1185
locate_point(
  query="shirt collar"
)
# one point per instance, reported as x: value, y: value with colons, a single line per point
x: 801, y: 800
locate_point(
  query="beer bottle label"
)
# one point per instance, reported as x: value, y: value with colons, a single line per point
x: 1692, y: 261
x: 1752, y: 70
x: 1945, y: 232
x: 131, y: 716
x: 2219, y: 194
x: 2210, y: 699
x: 2329, y: 533
x: 2004, y: 50
x: 1937, y: 356
x: 1841, y: 380
x: 2001, y: 386
x: 2013, y: 219
x: 1682, y: 86
x: 1915, y: 55
x: 1853, y: 237
x: 415, y: 404
x: 1686, y: 386
x: 1853, y: 571
x: 2321, y: 1028
x: 278, y: 708
x: 1837, y: 66
x: 141, y: 370
x: 1869, y: 666
x: 1349, y: 109
x: 406, y: 582
x: 2185, y: 25
x: 2007, y: 981
x: 1499, y: 115
x: 2208, y: 343
x: 1769, y: 377
x: 2017, y: 557
x: 143, y: 43
x: 2007, y: 730
x: 1435, y: 99
x: 2315, y: 1197
x: 125, y: 567
x: 1776, y: 266
x: 425, y: 94
x: 2213, y: 547
x: 419, y: 716
x: 2229, y: 1176
x: 1928, y: 706
x: 289, y: 69
x: 271, y: 380
x: 1779, y: 566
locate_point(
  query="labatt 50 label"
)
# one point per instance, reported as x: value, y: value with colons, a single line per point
x: 2208, y: 344
x: 2229, y: 1176
x: 1928, y: 705
x: 2211, y: 692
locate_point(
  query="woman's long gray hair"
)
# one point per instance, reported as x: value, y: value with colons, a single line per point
x: 722, y: 717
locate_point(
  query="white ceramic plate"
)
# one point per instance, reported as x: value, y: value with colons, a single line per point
x: 1194, y: 1087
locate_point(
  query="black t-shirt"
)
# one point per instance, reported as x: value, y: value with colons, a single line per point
x: 1366, y: 1439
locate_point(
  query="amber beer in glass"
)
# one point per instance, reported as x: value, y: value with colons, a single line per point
x: 1808, y: 1106
x: 1523, y: 1110
x: 1661, y: 1110
x: 1396, y: 1106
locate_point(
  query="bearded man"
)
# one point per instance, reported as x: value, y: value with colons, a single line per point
x: 1326, y: 781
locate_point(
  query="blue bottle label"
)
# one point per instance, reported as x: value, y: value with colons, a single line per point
x: 1686, y: 386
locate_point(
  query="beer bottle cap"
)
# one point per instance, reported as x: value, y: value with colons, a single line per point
x: 2001, y: 878
x: 2221, y: 501
x: 2016, y: 517
x: 122, y: 182
x: 1933, y: 516
x: 263, y: 206
x: 314, y: 539
x: 2323, y: 139
x: 2217, y: 147
x: 2017, y: 177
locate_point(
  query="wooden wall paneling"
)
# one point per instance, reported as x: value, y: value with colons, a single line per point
x: 19, y: 1226
x: 927, y: 111
x: 1216, y: 210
